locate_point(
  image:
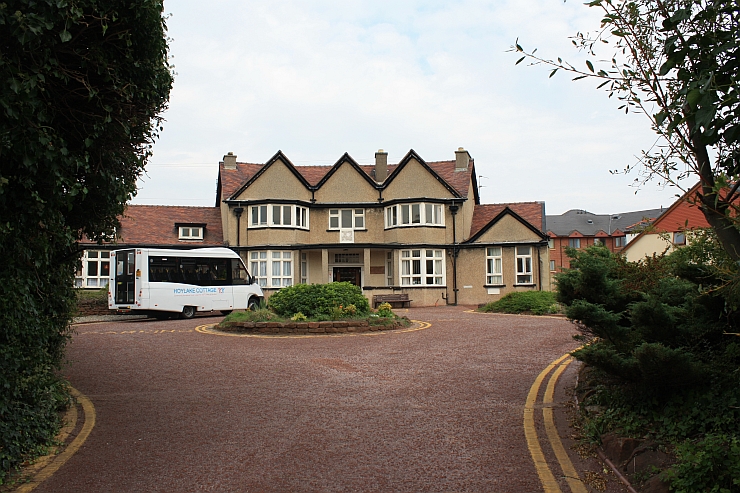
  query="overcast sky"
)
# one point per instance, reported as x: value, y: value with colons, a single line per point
x: 320, y: 78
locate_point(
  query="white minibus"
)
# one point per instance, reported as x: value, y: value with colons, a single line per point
x: 163, y: 282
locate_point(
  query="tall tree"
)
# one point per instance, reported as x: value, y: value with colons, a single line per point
x: 83, y: 84
x: 678, y: 62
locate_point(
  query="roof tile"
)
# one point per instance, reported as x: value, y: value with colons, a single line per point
x: 484, y: 214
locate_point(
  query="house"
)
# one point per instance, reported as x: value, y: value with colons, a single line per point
x: 669, y: 230
x: 414, y: 227
x: 150, y: 226
x: 578, y: 228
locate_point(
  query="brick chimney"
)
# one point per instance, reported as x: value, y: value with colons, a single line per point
x: 230, y: 161
x: 462, y: 159
x: 381, y: 165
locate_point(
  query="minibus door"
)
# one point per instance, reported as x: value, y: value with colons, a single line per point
x: 124, y: 280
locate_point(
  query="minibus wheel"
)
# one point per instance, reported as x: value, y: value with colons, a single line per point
x: 188, y: 312
x: 253, y: 304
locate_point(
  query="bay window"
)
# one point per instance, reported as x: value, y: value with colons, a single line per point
x: 283, y: 216
x: 414, y: 215
x: 272, y: 268
x: 422, y: 267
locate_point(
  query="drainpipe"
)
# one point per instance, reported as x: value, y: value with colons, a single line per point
x: 238, y: 212
x: 453, y: 210
x: 539, y: 268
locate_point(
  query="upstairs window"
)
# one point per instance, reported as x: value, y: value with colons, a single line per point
x: 620, y: 241
x: 414, y: 215
x: 346, y: 218
x: 679, y: 238
x: 278, y: 216
x: 191, y: 232
x: 574, y: 242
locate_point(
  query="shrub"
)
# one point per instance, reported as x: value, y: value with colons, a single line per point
x: 656, y: 334
x: 711, y: 464
x: 385, y: 310
x: 258, y: 315
x: 535, y: 302
x: 317, y: 300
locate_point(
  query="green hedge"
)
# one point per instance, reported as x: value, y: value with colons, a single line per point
x: 314, y: 300
x: 535, y: 302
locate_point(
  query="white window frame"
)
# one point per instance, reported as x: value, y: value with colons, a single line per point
x: 338, y: 216
x: 422, y: 267
x: 524, y: 271
x: 494, y: 266
x: 414, y: 214
x: 190, y: 232
x: 679, y: 238
x: 574, y: 242
x: 272, y: 268
x: 620, y: 241
x: 278, y: 216
x: 91, y: 272
x: 304, y: 268
x: 389, y: 269
x: 552, y: 266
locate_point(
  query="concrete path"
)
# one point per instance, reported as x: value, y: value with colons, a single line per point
x: 437, y: 409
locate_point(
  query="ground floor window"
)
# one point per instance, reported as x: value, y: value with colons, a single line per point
x: 422, y: 267
x: 272, y: 268
x: 304, y: 268
x: 524, y: 265
x: 494, y: 269
x: 94, y: 269
x: 389, y: 269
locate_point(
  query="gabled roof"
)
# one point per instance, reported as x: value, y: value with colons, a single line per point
x: 278, y: 157
x: 485, y: 216
x: 346, y: 158
x: 155, y: 226
x: 442, y: 167
x: 232, y: 182
x: 679, y: 216
x: 589, y: 224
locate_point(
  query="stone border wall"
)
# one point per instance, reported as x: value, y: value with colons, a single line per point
x: 339, y: 327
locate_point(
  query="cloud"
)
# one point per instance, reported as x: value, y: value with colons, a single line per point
x: 316, y: 79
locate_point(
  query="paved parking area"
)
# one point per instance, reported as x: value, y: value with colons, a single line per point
x: 438, y: 409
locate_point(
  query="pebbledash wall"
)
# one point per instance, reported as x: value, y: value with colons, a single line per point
x: 414, y: 227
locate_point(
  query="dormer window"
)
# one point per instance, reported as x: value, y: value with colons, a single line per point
x: 191, y: 232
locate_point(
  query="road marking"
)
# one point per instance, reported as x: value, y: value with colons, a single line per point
x: 127, y: 332
x: 571, y: 476
x: 209, y: 329
x: 52, y: 463
x: 530, y: 433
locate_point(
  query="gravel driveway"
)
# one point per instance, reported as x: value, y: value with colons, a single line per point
x: 438, y: 409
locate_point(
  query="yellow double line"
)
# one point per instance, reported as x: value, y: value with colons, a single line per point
x: 549, y: 484
x: 48, y: 465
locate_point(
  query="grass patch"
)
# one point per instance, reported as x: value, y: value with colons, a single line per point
x: 530, y: 302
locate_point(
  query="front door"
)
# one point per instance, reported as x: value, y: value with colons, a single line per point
x: 347, y: 274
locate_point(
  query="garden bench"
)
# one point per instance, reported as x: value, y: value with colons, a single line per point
x: 391, y: 298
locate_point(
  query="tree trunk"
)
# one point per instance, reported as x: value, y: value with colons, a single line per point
x: 714, y: 208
